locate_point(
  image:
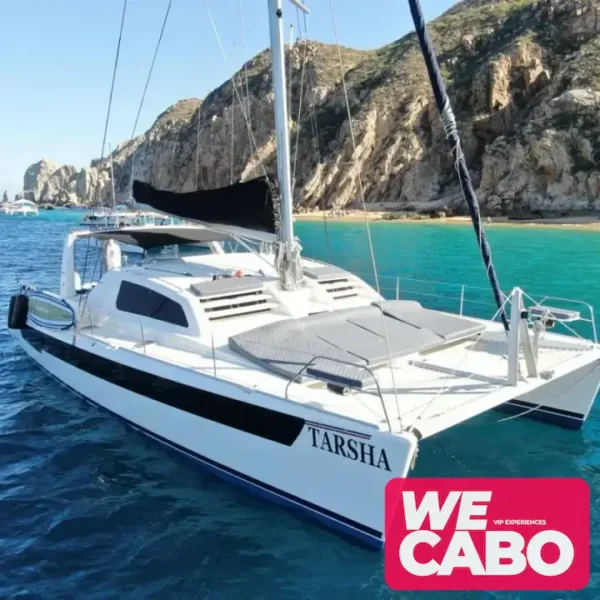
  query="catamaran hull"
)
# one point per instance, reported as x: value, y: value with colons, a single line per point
x: 330, y: 468
x: 565, y: 401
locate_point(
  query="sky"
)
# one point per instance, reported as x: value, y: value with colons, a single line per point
x: 58, y: 56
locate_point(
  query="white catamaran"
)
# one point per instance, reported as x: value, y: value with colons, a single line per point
x: 291, y: 377
x: 20, y: 207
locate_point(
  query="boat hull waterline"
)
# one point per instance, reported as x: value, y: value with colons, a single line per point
x: 330, y: 468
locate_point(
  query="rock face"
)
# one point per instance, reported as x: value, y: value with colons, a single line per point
x: 36, y: 177
x: 523, y: 77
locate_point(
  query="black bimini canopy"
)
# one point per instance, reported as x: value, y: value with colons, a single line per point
x: 153, y: 237
x: 249, y: 205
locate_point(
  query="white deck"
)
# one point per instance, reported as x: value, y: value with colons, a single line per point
x: 434, y: 390
x: 429, y: 399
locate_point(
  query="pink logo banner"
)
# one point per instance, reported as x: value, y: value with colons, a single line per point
x: 487, y: 534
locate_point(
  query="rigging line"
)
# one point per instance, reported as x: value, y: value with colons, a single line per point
x: 139, y: 112
x: 162, y: 31
x: 364, y: 207
x: 235, y: 89
x: 97, y: 262
x: 112, y: 177
x: 232, y: 140
x: 565, y: 325
x: 570, y: 387
x: 198, y: 141
x: 315, y: 132
x: 290, y: 124
x: 110, y: 99
x: 445, y: 387
x: 112, y: 85
x: 241, y: 83
x: 528, y: 411
x: 298, y: 126
x: 246, y: 62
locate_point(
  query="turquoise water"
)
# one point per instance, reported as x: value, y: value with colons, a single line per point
x: 557, y: 262
x: 93, y: 509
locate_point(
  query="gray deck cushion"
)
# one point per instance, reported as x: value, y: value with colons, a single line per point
x: 402, y: 338
x: 228, y: 285
x: 360, y: 332
x: 286, y: 350
x: 340, y: 374
x: 448, y: 327
x: 354, y: 335
x: 325, y: 272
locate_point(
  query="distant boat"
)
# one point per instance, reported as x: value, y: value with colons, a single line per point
x: 20, y: 207
x: 121, y: 216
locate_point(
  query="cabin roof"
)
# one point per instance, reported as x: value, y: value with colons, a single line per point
x: 151, y: 237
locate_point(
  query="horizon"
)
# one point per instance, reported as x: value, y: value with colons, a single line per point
x: 57, y: 87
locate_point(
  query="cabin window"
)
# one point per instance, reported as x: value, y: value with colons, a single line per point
x: 140, y: 300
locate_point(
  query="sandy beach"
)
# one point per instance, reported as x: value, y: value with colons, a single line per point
x: 585, y: 222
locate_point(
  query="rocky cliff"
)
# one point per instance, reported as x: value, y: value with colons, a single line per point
x: 523, y: 76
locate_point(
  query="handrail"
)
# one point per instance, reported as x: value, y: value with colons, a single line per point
x: 349, y: 364
x: 418, y: 280
x: 591, y: 320
x: 463, y: 300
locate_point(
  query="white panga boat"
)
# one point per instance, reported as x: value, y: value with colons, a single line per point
x: 291, y: 377
x: 20, y: 207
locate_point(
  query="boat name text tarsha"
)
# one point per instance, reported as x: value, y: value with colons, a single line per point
x: 349, y: 448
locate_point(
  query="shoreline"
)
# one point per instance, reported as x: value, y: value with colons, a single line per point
x: 579, y: 223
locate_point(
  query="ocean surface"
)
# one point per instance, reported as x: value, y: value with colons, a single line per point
x: 91, y: 509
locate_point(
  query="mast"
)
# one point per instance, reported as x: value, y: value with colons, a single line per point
x: 288, y: 251
x: 443, y: 105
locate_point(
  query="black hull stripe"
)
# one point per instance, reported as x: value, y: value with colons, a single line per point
x: 549, y: 409
x: 543, y: 413
x: 348, y: 527
x: 257, y: 420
